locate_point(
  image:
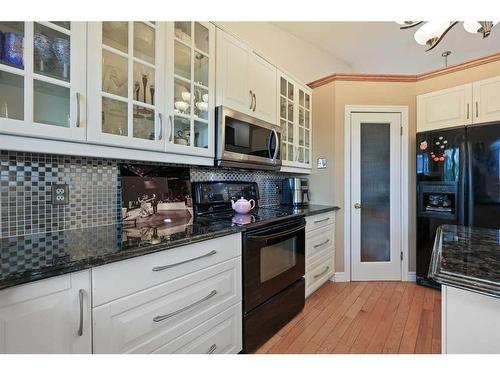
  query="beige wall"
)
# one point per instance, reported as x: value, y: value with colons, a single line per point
x: 329, y: 103
x: 303, y: 60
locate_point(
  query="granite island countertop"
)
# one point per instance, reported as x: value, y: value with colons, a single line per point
x: 38, y: 256
x: 467, y: 258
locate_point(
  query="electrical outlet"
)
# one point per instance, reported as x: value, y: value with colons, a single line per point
x: 60, y: 194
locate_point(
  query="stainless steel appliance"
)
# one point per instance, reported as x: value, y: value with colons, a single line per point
x: 273, y: 257
x: 458, y: 182
x: 295, y: 191
x: 246, y: 142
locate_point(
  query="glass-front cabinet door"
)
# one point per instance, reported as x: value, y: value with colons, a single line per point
x: 287, y: 120
x: 191, y: 94
x: 304, y: 129
x: 126, y: 84
x: 42, y: 79
x: 294, y: 108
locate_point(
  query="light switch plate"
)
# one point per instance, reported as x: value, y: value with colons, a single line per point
x: 60, y: 194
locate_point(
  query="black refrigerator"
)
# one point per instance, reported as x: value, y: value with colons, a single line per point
x: 458, y: 182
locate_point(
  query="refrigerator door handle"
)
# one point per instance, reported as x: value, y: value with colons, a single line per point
x: 470, y: 186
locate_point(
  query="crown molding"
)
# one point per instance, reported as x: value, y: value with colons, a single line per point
x: 405, y: 77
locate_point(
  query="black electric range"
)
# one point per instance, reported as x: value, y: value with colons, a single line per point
x: 273, y: 256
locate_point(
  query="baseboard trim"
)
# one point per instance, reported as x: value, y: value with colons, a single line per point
x: 412, y: 276
x: 338, y: 277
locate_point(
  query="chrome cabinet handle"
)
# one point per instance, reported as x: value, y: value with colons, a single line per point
x: 254, y: 101
x: 251, y: 99
x: 357, y: 206
x: 171, y: 132
x: 81, y: 292
x: 321, y: 244
x: 160, y: 318
x: 477, y: 109
x: 322, y: 220
x: 161, y: 268
x: 212, y: 349
x: 322, y: 273
x: 160, y: 116
x: 78, y: 109
x: 467, y: 111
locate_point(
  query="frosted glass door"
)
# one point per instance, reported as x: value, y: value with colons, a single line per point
x: 42, y: 79
x: 375, y: 193
x: 192, y: 99
x: 126, y: 81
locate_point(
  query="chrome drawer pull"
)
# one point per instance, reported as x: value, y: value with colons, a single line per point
x: 322, y: 273
x: 159, y: 318
x: 161, y: 268
x: 321, y: 244
x: 81, y: 292
x: 322, y: 220
x: 212, y: 349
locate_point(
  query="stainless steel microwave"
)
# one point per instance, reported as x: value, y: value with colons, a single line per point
x: 243, y: 141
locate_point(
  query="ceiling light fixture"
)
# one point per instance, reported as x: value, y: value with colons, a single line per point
x: 432, y: 32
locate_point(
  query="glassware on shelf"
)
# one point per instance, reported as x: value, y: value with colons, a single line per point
x: 13, y: 49
x: 182, y: 131
x: 61, y: 48
x: 114, y: 74
x: 11, y: 96
x: 43, y: 50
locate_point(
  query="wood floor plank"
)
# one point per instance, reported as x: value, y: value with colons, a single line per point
x: 393, y: 340
x: 424, y: 337
x: 327, y: 328
x: 376, y: 344
x: 436, y: 325
x: 363, y: 317
x: 409, y: 339
x: 368, y: 330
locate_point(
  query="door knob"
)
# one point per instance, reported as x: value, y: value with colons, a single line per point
x: 357, y: 206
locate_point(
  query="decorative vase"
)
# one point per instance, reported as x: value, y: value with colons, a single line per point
x: 61, y: 49
x: 13, y: 49
x: 43, y: 49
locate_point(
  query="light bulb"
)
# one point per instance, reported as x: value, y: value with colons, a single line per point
x: 472, y: 26
x: 431, y: 30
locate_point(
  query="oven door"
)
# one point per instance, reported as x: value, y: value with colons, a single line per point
x: 273, y: 259
x: 244, y: 141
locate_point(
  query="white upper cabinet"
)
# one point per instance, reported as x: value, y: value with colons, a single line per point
x: 295, y: 119
x: 263, y: 83
x: 126, y: 85
x: 472, y: 103
x: 191, y: 88
x: 445, y: 108
x: 246, y: 82
x: 42, y: 79
x: 50, y: 316
x: 486, y: 100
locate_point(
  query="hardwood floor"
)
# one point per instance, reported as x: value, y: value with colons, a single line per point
x: 363, y: 317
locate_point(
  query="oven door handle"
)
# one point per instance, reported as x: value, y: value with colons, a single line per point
x: 275, y: 235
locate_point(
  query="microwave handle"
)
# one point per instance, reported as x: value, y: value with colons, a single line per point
x: 276, y: 150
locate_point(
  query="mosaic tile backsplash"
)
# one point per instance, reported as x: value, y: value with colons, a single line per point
x: 94, y: 191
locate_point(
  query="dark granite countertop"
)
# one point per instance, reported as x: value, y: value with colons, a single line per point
x: 34, y: 257
x: 467, y: 258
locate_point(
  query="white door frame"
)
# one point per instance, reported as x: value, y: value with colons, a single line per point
x: 403, y: 110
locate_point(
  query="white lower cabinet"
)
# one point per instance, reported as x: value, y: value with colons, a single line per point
x: 192, y: 301
x: 470, y: 322
x: 47, y: 316
x: 320, y: 251
x: 218, y: 335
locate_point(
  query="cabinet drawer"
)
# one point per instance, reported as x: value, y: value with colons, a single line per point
x: 319, y: 221
x: 116, y: 280
x: 148, y: 320
x: 320, y: 272
x: 318, y: 243
x: 221, y: 334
